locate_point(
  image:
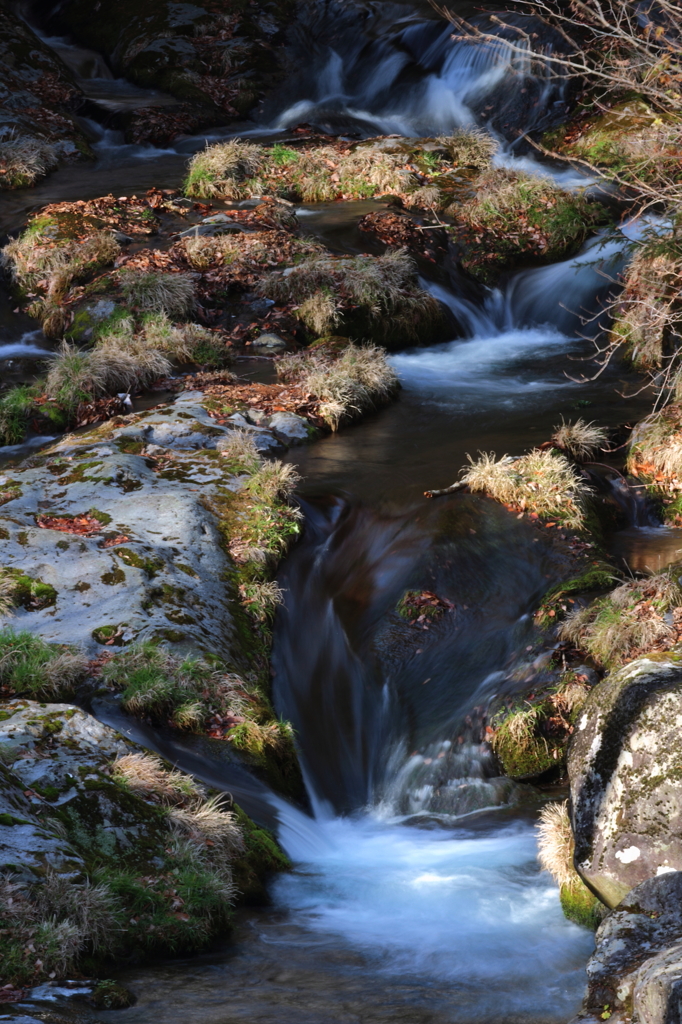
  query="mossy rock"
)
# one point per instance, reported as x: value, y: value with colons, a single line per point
x: 581, y: 906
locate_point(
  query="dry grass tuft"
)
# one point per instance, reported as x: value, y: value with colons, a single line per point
x: 544, y: 482
x: 8, y: 593
x: 274, y: 481
x: 262, y: 598
x: 209, y: 820
x: 218, y: 170
x: 632, y: 620
x: 470, y: 148
x: 188, y: 343
x: 158, y: 292
x: 239, y: 447
x: 24, y: 161
x: 556, y: 844
x: 360, y: 379
x: 581, y: 440
x: 117, y: 364
x: 145, y: 774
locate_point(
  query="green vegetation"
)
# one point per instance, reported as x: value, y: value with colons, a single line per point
x: 632, y: 620
x: 530, y: 737
x: 516, y: 215
x: 240, y: 170
x: 16, y: 406
x: 30, y: 667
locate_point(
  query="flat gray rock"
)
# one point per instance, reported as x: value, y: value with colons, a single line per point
x: 156, y: 567
x: 291, y: 428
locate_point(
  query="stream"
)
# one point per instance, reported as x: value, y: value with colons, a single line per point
x: 416, y: 895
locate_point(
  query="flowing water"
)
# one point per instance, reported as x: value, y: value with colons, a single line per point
x: 416, y: 896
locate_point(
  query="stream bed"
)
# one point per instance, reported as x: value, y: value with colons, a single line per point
x: 395, y: 910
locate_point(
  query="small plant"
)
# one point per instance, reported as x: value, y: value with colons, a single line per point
x: 16, y: 406
x: 219, y: 169
x: 580, y: 440
x: 239, y: 448
x: 631, y: 620
x: 30, y: 667
x: 262, y: 598
x: 209, y: 820
x: 274, y: 481
x: 116, y: 364
x: 172, y: 294
x: 8, y: 593
x: 187, y: 343
x: 543, y: 482
x: 474, y: 148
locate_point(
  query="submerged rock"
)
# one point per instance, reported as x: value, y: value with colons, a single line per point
x: 625, y: 769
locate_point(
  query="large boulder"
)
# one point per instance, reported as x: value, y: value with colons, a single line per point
x: 625, y: 770
x: 112, y: 530
x: 635, y: 973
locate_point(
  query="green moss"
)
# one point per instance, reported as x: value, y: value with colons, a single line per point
x: 111, y: 995
x: 108, y: 635
x: 9, y: 820
x: 581, y: 906
x: 599, y: 576
x: 113, y: 578
x: 32, y: 594
x: 151, y: 565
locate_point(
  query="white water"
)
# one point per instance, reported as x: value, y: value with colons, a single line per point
x: 468, y: 909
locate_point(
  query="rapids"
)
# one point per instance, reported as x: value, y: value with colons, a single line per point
x: 415, y: 894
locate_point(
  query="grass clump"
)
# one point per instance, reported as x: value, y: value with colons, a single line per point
x: 543, y: 482
x: 580, y: 440
x: 514, y: 214
x: 158, y: 292
x: 44, y: 268
x: 648, y: 314
x: 25, y: 161
x: 146, y: 775
x: 185, y: 693
x: 30, y: 667
x: 365, y: 294
x: 555, y: 853
x: 16, y: 406
x: 632, y: 620
x: 48, y: 926
x: 218, y: 170
x: 116, y: 364
x: 531, y: 737
x: 349, y: 385
x: 186, y: 343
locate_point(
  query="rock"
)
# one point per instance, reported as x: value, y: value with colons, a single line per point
x: 38, y: 96
x: 157, y: 567
x: 635, y: 973
x: 291, y: 428
x: 51, y: 755
x: 625, y: 770
x: 225, y: 227
x: 259, y: 417
x: 269, y: 341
